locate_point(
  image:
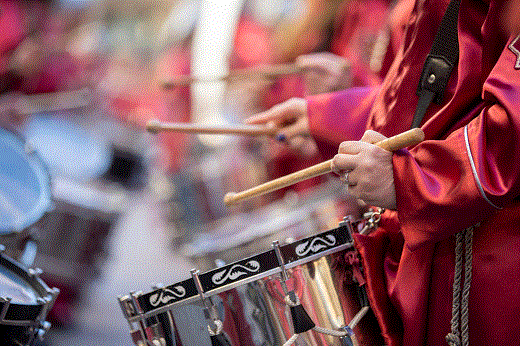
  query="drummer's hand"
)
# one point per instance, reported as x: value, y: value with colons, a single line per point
x: 370, y: 170
x: 289, y: 117
x: 324, y: 72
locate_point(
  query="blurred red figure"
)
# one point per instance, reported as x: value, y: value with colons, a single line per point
x: 175, y: 105
x: 511, y: 16
x: 12, y: 32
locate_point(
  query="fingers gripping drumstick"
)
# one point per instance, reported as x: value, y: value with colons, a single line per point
x: 403, y: 140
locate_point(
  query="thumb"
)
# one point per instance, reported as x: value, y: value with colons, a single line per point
x: 371, y: 136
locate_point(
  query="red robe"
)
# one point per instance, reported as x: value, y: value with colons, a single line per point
x: 409, y: 260
x: 358, y: 25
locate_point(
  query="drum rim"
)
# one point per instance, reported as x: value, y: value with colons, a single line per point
x: 41, y: 171
x: 31, y: 312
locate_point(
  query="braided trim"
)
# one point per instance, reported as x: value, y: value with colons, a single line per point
x: 468, y: 239
x: 459, y: 335
x: 453, y: 338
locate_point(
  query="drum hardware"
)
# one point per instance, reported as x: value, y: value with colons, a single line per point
x: 85, y: 207
x: 25, y: 197
x: 30, y: 249
x: 301, y: 320
x: 371, y: 220
x: 22, y: 318
x: 149, y: 331
x: 210, y: 312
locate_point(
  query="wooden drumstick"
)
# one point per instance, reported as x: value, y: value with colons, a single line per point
x: 268, y: 71
x: 51, y: 102
x: 403, y: 140
x: 249, y: 130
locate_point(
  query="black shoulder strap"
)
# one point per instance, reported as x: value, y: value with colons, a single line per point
x: 439, y: 63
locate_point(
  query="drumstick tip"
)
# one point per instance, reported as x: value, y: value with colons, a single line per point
x: 153, y: 126
x: 229, y: 198
x: 419, y: 134
x: 167, y: 85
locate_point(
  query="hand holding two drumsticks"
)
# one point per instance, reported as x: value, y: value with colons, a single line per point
x: 363, y: 156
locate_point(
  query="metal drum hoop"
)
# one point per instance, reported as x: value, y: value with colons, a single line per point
x: 26, y: 314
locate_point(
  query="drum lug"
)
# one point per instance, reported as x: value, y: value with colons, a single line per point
x: 126, y: 306
x: 347, y: 223
x: 301, y: 319
x: 44, y: 328
x: 141, y: 323
x: 158, y: 286
x: 210, y: 312
x: 372, y: 219
x: 35, y: 272
x: 6, y: 301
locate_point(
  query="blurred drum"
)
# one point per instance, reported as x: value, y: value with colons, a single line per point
x: 265, y: 299
x: 24, y: 303
x: 68, y: 147
x: 73, y: 236
x: 244, y: 234
x: 25, y: 191
x: 132, y: 151
x: 73, y: 242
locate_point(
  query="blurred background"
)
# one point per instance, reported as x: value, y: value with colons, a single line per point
x: 129, y: 209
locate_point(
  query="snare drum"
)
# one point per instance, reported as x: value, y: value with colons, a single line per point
x: 247, y: 299
x: 24, y: 303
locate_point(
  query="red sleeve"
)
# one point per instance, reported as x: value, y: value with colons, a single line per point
x: 340, y: 116
x: 447, y: 185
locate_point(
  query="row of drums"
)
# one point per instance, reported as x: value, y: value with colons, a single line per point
x: 62, y: 189
x: 308, y: 291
